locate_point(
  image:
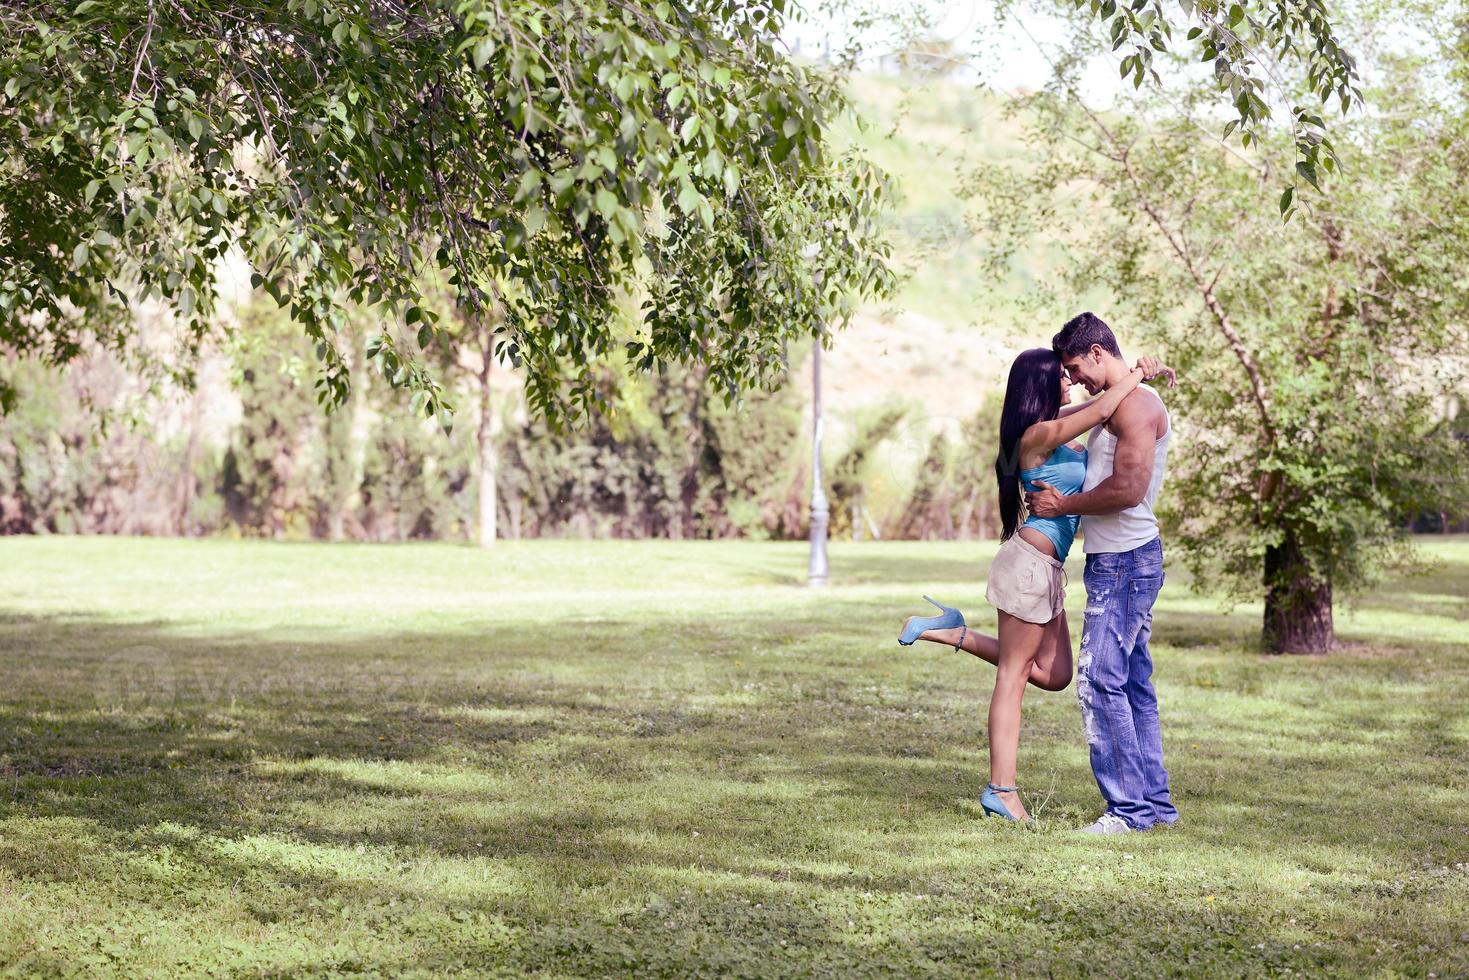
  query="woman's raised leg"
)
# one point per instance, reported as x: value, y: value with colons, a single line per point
x: 982, y: 645
x: 1052, y: 668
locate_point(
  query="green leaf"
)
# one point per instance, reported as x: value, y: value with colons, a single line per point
x: 1285, y: 199
x: 483, y: 51
x: 689, y: 198
x: 530, y: 182
x: 606, y: 203
x: 80, y: 254
x: 535, y: 218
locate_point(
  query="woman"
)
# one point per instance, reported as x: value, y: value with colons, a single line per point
x: 1026, y: 580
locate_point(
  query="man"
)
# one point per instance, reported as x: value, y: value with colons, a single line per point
x: 1124, y: 571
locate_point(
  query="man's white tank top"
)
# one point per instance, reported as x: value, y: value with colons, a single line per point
x: 1135, y: 526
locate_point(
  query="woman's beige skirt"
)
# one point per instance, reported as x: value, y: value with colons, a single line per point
x: 1026, y: 582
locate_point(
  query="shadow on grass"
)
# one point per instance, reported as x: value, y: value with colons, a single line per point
x: 528, y: 803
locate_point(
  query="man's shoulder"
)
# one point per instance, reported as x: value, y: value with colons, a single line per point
x: 1142, y: 406
x: 1143, y: 395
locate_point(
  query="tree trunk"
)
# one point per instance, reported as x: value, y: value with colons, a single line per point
x: 188, y: 487
x: 966, y: 530
x: 1297, y: 605
x: 344, y: 478
x: 693, y: 450
x: 946, y: 516
x: 488, y: 457
x: 341, y: 475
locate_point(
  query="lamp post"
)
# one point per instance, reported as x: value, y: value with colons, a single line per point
x: 816, y: 571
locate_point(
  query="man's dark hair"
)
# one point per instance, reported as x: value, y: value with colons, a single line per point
x: 1080, y: 333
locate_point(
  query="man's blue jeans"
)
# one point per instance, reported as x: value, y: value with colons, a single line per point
x: 1114, y: 683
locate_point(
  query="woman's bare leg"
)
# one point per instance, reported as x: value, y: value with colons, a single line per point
x: 1052, y: 669
x: 982, y: 645
x: 1020, y: 644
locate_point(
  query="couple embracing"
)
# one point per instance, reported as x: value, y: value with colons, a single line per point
x: 1109, y: 486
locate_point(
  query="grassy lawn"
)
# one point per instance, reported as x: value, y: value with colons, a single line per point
x: 672, y: 759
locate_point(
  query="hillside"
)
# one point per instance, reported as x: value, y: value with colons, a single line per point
x: 944, y: 338
x: 943, y: 343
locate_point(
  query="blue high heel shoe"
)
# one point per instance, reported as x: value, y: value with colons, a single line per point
x: 993, y: 805
x: 950, y: 619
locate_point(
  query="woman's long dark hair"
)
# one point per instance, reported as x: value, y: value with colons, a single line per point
x: 1033, y: 394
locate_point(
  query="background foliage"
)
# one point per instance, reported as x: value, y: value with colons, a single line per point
x: 670, y: 460
x: 1323, y: 357
x: 546, y: 160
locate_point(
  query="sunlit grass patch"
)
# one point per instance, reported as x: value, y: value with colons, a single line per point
x: 672, y: 759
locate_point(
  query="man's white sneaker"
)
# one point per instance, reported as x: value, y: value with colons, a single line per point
x: 1107, y: 823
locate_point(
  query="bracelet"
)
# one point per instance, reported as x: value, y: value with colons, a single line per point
x: 959, y: 647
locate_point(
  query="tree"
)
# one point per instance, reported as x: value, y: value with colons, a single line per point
x: 1313, y: 353
x: 850, y: 474
x: 550, y: 158
x: 1245, y: 42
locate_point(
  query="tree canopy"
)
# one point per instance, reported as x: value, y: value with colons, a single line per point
x: 558, y: 161
x: 554, y: 161
x: 1266, y: 55
x: 1316, y: 356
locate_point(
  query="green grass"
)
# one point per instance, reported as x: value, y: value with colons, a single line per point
x: 671, y: 759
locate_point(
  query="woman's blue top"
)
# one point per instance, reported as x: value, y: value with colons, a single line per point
x: 1065, y: 470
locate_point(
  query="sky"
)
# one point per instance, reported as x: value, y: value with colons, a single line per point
x: 1008, y: 56
x: 1012, y: 55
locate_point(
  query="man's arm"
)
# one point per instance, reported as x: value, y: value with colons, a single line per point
x: 1136, y: 422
